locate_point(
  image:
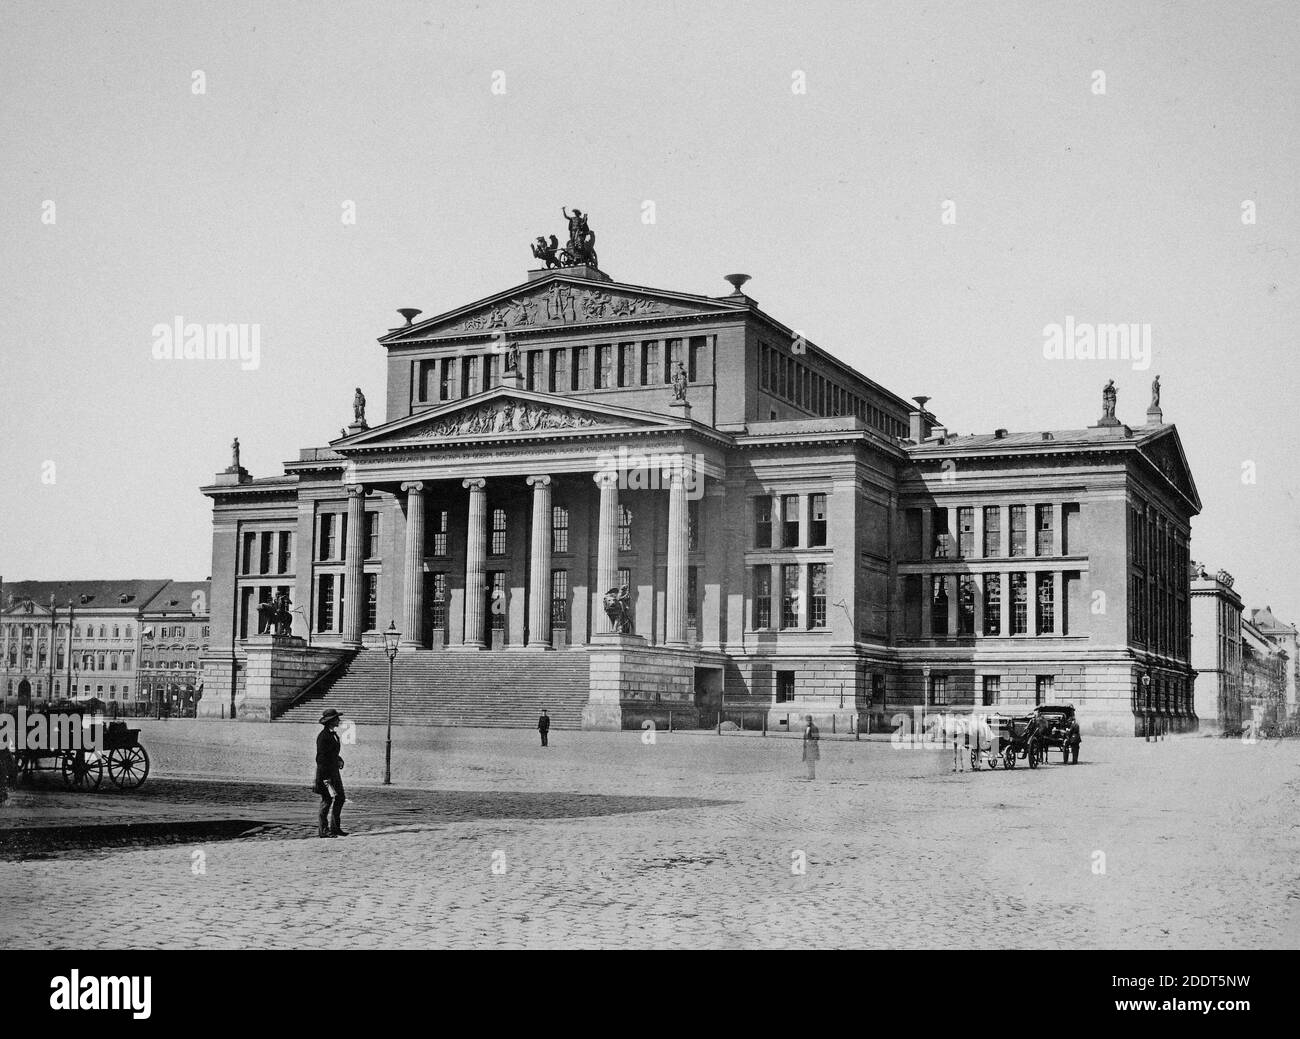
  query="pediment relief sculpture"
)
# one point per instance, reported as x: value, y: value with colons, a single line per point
x: 507, y: 415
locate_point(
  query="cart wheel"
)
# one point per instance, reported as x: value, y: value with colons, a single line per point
x: 993, y: 761
x: 1009, y: 758
x: 128, y: 767
x: 82, y: 771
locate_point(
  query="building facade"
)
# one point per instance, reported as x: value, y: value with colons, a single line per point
x: 174, y: 632
x: 1286, y: 638
x: 1216, y: 651
x: 717, y: 513
x: 72, y: 640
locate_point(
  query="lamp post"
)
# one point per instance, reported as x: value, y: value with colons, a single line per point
x: 391, y: 637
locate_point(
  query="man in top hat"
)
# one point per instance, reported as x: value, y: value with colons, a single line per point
x: 329, y: 781
x: 544, y: 725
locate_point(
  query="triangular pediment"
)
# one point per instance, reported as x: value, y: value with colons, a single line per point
x: 504, y: 412
x: 561, y: 301
x: 1165, y: 452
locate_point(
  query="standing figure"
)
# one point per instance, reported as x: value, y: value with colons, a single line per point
x: 329, y: 780
x: 811, y: 751
x: 1108, y: 396
x: 1072, y: 741
x: 359, y: 408
x: 680, y: 382
x: 544, y: 726
x: 234, y: 454
x: 1155, y: 392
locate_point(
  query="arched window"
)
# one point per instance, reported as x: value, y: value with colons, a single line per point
x: 103, y: 632
x: 117, y: 632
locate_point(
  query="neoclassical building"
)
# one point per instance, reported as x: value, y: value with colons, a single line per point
x: 623, y: 501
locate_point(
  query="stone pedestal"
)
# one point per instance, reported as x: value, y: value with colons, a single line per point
x: 632, y: 682
x: 277, y: 669
x: 1155, y: 417
x: 357, y: 427
x: 681, y: 408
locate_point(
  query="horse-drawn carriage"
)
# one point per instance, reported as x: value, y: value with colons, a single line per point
x: 1000, y: 740
x: 98, y: 746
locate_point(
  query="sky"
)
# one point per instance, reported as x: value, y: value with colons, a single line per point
x: 812, y: 146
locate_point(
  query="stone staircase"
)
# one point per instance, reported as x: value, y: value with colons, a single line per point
x: 505, y: 689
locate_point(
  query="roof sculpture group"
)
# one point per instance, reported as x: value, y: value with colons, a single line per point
x: 580, y: 250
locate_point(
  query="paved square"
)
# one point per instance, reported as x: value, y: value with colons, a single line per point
x: 489, y: 840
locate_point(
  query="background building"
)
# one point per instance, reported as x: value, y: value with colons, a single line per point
x: 1216, y: 650
x: 1285, y: 637
x: 76, y: 640
x: 794, y: 538
x: 173, y: 638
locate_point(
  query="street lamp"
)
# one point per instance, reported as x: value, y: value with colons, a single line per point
x: 391, y: 637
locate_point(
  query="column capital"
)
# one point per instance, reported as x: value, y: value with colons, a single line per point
x: 413, y: 485
x: 605, y: 478
x: 475, y: 484
x: 539, y: 481
x: 355, y: 490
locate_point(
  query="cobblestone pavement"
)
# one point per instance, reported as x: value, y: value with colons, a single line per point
x: 694, y: 841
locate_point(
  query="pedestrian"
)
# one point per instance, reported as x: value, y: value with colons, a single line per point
x: 1072, y: 741
x: 329, y: 781
x: 544, y: 726
x: 810, y: 749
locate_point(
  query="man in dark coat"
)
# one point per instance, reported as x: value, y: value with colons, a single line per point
x: 1072, y: 741
x: 544, y: 726
x: 329, y: 781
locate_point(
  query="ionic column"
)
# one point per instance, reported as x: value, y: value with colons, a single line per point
x: 539, y: 576
x: 606, y: 547
x: 353, y: 593
x: 475, y: 562
x: 413, y: 574
x: 678, y: 542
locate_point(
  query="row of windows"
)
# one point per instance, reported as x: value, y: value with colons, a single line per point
x: 1159, y: 606
x: 332, y: 536
x: 267, y: 552
x: 1024, y: 589
x: 181, y: 631
x: 169, y: 665
x: 795, y: 382
x: 778, y: 587
x: 14, y: 632
x: 938, y: 692
x: 777, y: 521
x: 563, y: 369
x: 944, y: 545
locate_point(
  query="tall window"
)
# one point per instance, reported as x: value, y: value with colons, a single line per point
x: 966, y: 591
x: 692, y: 597
x: 469, y: 369
x: 650, y: 370
x: 965, y: 533
x: 817, y: 594
x: 493, y: 370
x: 328, y: 535
x: 438, y: 600
x: 627, y: 364
x: 1043, y: 687
x: 1046, y: 605
x: 817, y: 520
x: 444, y: 379
x: 763, y: 523
x: 560, y: 530
x: 498, y: 532
x: 790, y: 520
x: 1018, y: 533
x: 372, y: 601
x: 938, y: 605
x: 762, y: 597
x: 790, y: 596
x: 1043, y: 544
x: 940, y: 539
x: 938, y: 690
x: 535, y: 359
x: 1019, y: 605
x: 264, y: 555
x: 559, y: 598
x: 604, y: 366
x: 559, y: 370
x: 497, y: 605
x: 372, y: 535
x: 283, y: 562
x: 325, y: 591
x: 992, y: 690
x: 992, y: 604
x: 913, y: 548
x: 624, y: 528
x: 438, y: 530
x: 581, y: 367
x: 992, y: 531
x: 676, y: 355
x: 624, y: 578
x: 126, y: 661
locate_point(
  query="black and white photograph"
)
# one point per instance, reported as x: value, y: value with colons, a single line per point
x: 652, y: 476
